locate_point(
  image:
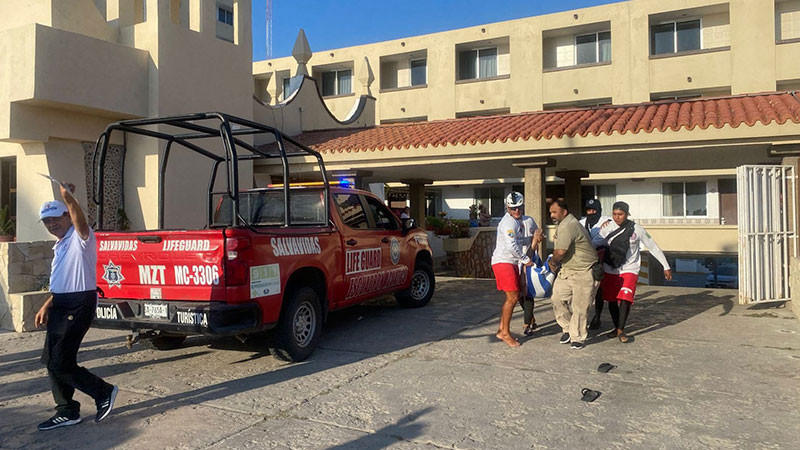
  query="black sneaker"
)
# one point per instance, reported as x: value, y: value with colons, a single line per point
x: 104, y: 407
x: 58, y: 421
x: 576, y: 345
x: 564, y: 338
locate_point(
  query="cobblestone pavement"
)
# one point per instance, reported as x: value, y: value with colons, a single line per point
x: 701, y: 372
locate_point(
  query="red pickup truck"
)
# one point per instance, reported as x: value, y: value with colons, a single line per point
x: 277, y: 257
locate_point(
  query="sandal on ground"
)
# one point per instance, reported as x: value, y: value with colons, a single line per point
x: 623, y: 338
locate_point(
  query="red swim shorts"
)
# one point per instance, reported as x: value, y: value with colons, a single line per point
x: 507, y: 276
x: 619, y: 287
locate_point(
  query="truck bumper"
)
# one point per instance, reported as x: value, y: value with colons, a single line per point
x: 209, y: 318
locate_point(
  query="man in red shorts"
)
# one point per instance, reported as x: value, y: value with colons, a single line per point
x: 505, y: 262
x: 621, y: 264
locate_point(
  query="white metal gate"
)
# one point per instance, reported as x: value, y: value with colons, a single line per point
x: 767, y: 231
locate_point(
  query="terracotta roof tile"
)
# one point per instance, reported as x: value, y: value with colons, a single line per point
x: 659, y: 116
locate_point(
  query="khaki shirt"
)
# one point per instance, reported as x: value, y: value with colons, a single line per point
x: 574, y: 238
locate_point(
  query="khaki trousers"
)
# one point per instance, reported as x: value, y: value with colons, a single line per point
x: 573, y: 293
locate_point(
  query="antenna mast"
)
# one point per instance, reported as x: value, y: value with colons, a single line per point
x: 269, y: 29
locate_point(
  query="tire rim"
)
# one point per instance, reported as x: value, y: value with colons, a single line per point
x: 420, y: 284
x: 305, y: 322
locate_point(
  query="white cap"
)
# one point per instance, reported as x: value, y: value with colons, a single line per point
x: 52, y: 208
x: 514, y: 199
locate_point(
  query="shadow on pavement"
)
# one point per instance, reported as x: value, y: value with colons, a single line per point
x: 17, y: 389
x: 660, y: 312
x: 404, y: 429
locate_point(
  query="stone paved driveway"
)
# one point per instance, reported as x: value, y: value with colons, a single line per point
x: 702, y: 372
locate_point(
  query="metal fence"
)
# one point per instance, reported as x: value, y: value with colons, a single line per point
x: 767, y: 231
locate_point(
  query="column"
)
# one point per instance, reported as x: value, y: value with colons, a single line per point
x: 416, y: 196
x: 535, y: 203
x: 572, y: 189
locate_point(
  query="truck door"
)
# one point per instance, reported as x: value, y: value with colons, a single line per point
x: 363, y: 253
x: 387, y: 227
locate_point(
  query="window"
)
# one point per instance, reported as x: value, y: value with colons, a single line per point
x: 593, y: 48
x: 672, y: 37
x: 684, y: 199
x: 479, y: 63
x: 493, y: 199
x: 336, y: 82
x: 419, y: 72
x: 351, y: 211
x: 8, y: 186
x: 384, y: 219
x: 225, y: 15
x: 286, y: 88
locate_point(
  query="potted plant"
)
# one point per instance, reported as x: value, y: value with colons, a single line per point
x: 7, y: 231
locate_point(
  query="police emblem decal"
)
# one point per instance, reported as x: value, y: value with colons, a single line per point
x: 113, y: 275
x: 395, y: 251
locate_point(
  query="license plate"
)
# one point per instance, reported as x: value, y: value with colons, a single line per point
x: 156, y: 310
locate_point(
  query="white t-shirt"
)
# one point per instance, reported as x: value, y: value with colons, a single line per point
x: 508, y: 248
x: 74, y: 264
x: 633, y: 260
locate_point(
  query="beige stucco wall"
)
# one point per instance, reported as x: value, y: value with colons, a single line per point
x: 68, y: 72
x: 747, y: 26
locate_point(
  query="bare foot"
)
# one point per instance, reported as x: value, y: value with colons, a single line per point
x: 508, y: 339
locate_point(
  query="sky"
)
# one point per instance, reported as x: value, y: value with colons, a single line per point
x: 369, y: 21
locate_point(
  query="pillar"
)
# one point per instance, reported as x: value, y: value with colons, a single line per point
x: 535, y: 203
x: 572, y: 190
x: 416, y: 197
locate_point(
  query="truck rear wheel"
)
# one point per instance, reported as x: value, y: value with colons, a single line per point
x: 421, y: 290
x: 300, y: 326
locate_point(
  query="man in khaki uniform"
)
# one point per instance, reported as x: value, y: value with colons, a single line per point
x: 574, y: 289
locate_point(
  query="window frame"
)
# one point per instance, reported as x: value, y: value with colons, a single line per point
x: 228, y: 13
x: 335, y: 82
x: 675, y: 23
x: 596, y: 35
x: 364, y: 210
x: 685, y: 212
x: 477, y: 51
x: 411, y: 68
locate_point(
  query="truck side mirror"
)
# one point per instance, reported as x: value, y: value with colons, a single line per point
x: 409, y: 224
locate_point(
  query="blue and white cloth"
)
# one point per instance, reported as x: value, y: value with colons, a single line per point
x: 539, y: 278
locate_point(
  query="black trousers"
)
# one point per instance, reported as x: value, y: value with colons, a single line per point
x: 68, y: 321
x: 527, y: 308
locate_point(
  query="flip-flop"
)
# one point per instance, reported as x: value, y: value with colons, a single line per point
x: 623, y: 338
x: 605, y: 367
x: 589, y: 395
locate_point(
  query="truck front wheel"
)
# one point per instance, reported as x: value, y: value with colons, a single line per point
x: 300, y: 326
x: 420, y: 292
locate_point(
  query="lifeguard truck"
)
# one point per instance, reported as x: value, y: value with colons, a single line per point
x: 280, y: 256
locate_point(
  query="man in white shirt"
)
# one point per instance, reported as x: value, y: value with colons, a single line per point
x: 69, y: 311
x: 622, y: 262
x: 593, y: 220
x: 506, y: 261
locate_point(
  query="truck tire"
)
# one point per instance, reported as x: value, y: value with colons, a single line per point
x: 163, y: 342
x: 299, y: 327
x: 421, y: 290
